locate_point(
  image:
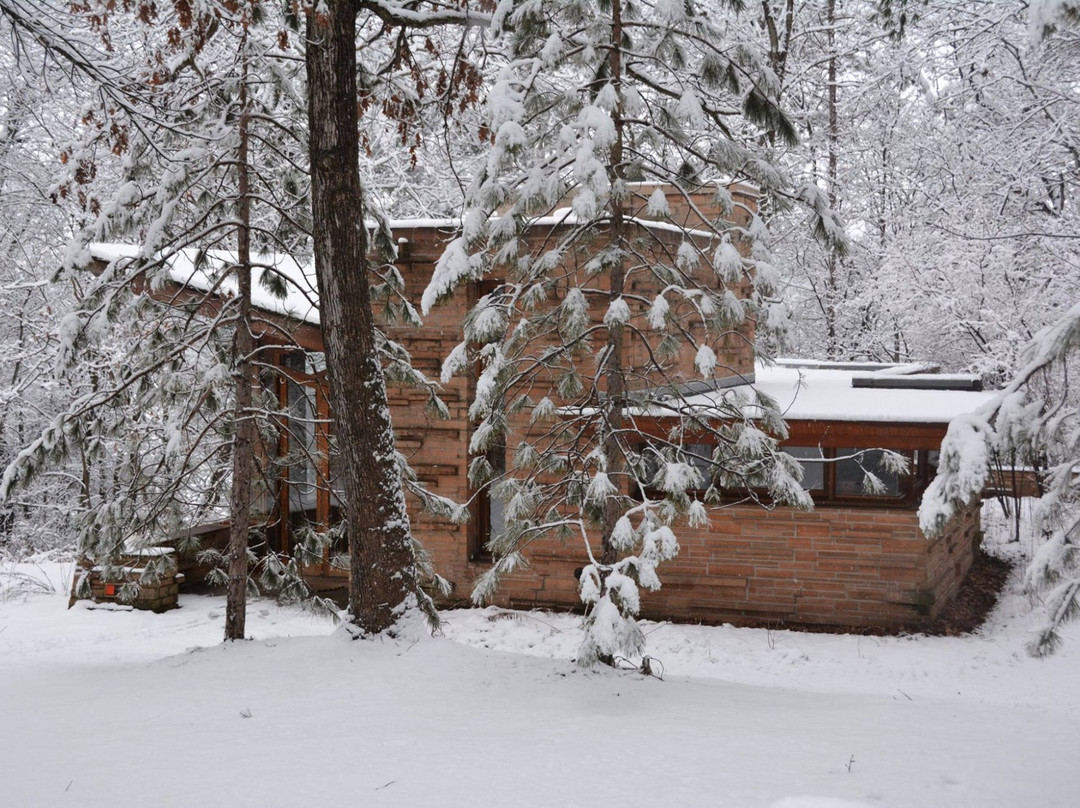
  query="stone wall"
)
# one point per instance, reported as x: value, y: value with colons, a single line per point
x: 855, y: 565
x: 846, y: 566
x: 147, y: 580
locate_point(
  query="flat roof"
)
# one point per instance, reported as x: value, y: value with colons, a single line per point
x: 806, y: 393
x: 559, y: 217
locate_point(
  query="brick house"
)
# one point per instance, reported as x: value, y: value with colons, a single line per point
x: 856, y: 559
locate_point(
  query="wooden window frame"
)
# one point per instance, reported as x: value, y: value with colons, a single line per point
x: 479, y: 533
x: 911, y: 486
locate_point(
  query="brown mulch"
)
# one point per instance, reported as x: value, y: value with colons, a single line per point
x: 977, y: 596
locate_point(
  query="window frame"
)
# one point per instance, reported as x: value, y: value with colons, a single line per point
x: 480, y: 521
x: 911, y: 485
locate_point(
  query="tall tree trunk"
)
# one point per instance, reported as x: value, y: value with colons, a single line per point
x: 614, y: 372
x: 779, y: 38
x: 382, y: 573
x: 244, y: 436
x: 831, y: 291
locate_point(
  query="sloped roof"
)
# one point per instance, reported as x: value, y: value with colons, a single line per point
x: 188, y: 269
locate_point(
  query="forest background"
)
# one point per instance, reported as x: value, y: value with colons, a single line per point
x: 945, y: 135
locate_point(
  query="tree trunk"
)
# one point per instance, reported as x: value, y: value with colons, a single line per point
x: 382, y: 575
x: 614, y: 372
x: 244, y: 436
x: 832, y: 282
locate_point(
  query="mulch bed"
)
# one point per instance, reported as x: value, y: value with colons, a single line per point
x: 977, y: 596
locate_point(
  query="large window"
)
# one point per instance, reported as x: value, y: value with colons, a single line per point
x: 860, y: 475
x: 850, y: 476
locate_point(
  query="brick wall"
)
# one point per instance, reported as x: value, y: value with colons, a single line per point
x: 830, y: 566
x: 836, y: 565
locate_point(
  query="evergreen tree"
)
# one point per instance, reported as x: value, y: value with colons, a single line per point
x: 1035, y: 418
x: 191, y: 156
x: 598, y: 315
x: 385, y: 562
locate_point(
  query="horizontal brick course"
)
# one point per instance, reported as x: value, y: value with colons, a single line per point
x: 859, y: 571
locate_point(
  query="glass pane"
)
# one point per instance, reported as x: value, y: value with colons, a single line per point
x: 933, y: 457
x: 294, y: 360
x: 302, y: 478
x: 496, y: 517
x: 316, y: 362
x: 809, y: 458
x: 852, y: 479
x: 336, y: 471
x: 699, y: 455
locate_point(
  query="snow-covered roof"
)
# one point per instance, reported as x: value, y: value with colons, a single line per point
x: 721, y: 182
x: 806, y: 393
x: 559, y: 216
x: 301, y: 299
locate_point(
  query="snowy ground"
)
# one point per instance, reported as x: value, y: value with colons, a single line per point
x: 125, y: 708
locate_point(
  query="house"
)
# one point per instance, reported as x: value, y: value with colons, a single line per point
x: 857, y: 559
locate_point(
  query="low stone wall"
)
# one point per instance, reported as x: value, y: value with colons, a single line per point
x: 845, y: 566
x: 144, y: 580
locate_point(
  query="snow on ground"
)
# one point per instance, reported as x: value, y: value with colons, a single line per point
x: 128, y: 708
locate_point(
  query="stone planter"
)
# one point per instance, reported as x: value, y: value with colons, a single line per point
x: 146, y: 579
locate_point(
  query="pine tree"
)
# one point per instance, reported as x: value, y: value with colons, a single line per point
x: 385, y: 562
x: 1035, y: 418
x: 599, y: 112
x: 186, y: 137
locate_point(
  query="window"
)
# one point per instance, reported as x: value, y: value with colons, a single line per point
x: 811, y: 458
x: 850, y: 476
x: 303, y: 476
x: 699, y: 455
x: 866, y: 472
x: 489, y: 512
x: 933, y: 457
